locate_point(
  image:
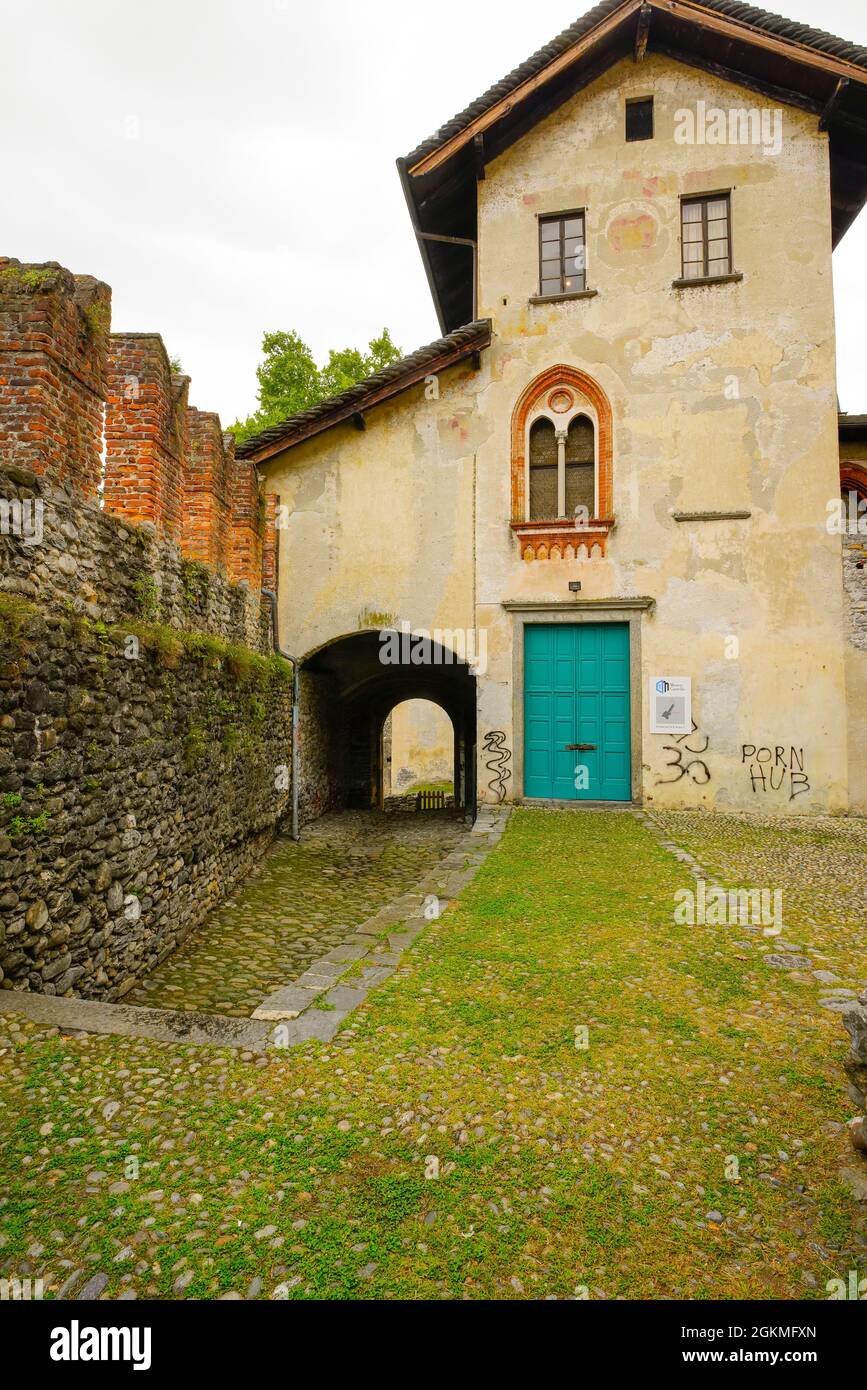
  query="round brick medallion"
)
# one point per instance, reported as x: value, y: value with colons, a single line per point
x: 560, y: 401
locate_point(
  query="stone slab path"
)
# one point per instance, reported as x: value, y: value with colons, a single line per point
x: 315, y: 1003
x: 302, y: 900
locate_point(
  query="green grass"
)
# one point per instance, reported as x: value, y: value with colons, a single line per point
x: 560, y: 1167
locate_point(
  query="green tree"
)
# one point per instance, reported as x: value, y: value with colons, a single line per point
x: 290, y: 381
x: 346, y: 366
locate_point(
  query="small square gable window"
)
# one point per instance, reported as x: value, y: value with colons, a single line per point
x: 639, y: 119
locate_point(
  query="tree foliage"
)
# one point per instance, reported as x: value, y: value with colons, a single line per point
x: 290, y: 381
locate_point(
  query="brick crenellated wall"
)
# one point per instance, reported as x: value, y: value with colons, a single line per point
x: 249, y: 514
x: 53, y: 334
x: 206, y: 491
x: 144, y: 752
x: 145, y: 433
x: 87, y: 409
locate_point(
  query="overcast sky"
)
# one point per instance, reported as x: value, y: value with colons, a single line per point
x: 227, y: 166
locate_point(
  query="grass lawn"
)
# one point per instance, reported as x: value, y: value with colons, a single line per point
x: 602, y: 1168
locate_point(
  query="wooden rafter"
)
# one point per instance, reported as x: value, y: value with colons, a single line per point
x: 479, y: 149
x: 832, y: 103
x: 642, y: 33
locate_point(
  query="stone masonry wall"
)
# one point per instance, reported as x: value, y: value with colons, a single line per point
x: 855, y: 586
x: 137, y: 780
x: 145, y: 722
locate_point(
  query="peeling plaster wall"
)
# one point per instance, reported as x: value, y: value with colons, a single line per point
x: 722, y: 397
x: 379, y: 524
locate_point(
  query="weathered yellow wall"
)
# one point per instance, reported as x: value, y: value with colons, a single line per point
x: 380, y: 525
x: 422, y: 745
x: 723, y: 398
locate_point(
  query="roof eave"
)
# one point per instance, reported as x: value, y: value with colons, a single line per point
x: 409, y: 194
x: 350, y: 407
x: 809, y: 73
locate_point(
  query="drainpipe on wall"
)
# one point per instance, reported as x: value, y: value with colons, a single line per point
x: 296, y: 698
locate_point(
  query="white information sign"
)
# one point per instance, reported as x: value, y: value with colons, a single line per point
x: 670, y: 705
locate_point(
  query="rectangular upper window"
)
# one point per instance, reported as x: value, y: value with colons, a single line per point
x: 706, y: 241
x: 639, y: 119
x: 562, y: 256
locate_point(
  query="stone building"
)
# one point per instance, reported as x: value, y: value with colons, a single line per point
x: 598, y: 520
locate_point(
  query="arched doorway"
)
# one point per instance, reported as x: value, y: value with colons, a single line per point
x: 348, y: 689
x: 419, y: 750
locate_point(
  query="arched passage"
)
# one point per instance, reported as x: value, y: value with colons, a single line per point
x: 419, y: 749
x: 348, y: 689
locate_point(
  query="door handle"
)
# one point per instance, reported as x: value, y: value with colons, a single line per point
x: 580, y: 747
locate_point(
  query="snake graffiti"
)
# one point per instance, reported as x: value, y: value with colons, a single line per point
x: 496, y: 763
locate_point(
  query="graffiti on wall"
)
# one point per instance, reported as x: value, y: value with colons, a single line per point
x: 500, y: 755
x: 775, y: 769
x: 686, y: 760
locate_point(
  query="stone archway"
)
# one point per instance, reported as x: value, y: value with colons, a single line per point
x: 348, y: 689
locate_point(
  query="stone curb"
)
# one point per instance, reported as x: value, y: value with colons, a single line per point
x: 131, y: 1020
x: 377, y: 945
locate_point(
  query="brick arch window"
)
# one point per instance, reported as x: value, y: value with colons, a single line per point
x: 853, y: 478
x: 562, y: 467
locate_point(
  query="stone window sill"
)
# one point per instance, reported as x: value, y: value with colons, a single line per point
x: 732, y: 279
x: 559, y: 298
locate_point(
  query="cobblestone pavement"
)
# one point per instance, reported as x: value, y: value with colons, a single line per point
x: 301, y: 901
x: 819, y: 863
x: 453, y: 1140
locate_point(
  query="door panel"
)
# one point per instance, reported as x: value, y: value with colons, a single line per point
x: 576, y: 690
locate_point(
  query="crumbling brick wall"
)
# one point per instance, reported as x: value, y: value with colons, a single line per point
x: 53, y: 332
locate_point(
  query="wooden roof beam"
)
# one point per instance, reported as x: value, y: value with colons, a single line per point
x: 832, y: 103
x: 760, y: 38
x: 694, y: 13
x: 642, y: 33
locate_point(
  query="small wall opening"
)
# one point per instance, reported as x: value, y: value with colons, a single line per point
x: 418, y: 749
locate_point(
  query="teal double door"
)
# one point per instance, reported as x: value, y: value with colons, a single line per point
x: 577, y: 712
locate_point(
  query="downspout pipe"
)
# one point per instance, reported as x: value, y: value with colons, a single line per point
x: 296, y: 698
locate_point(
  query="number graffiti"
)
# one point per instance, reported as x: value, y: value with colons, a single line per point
x: 696, y: 769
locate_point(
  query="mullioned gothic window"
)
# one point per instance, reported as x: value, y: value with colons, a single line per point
x: 561, y: 467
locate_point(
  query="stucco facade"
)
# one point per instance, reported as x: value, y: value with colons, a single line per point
x: 721, y: 399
